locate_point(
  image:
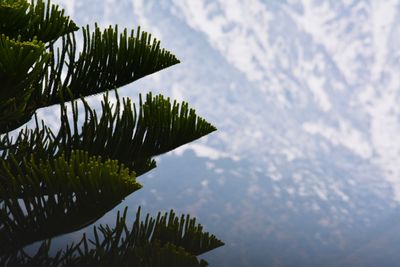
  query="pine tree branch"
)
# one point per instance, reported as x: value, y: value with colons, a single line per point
x: 131, y: 135
x: 53, y: 183
x: 108, y: 60
x: 40, y: 20
x: 122, y: 132
x: 22, y: 66
x: 155, y: 242
x: 42, y: 199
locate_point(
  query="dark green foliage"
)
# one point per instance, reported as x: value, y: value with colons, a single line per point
x: 132, y: 136
x: 19, y: 19
x: 152, y: 242
x: 108, y: 60
x: 78, y: 190
x: 22, y: 66
x: 56, y: 181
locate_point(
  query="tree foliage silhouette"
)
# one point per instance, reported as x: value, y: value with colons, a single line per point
x: 54, y: 182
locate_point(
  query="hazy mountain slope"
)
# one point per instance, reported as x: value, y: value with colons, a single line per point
x: 305, y: 96
x: 291, y: 71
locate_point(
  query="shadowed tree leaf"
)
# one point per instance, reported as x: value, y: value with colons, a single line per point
x: 108, y: 60
x: 56, y: 181
x: 40, y: 20
x: 42, y: 199
x: 122, y: 132
x: 164, y: 241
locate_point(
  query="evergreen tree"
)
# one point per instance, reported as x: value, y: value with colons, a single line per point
x: 56, y: 181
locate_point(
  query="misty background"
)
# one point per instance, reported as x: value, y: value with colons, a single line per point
x: 304, y: 169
